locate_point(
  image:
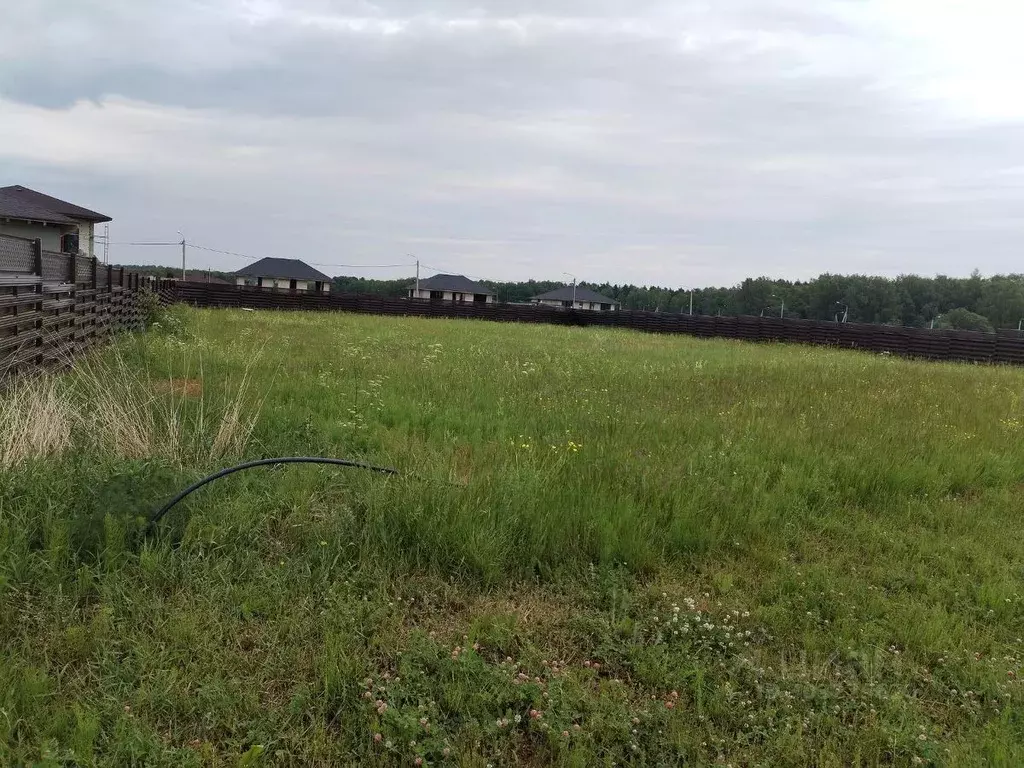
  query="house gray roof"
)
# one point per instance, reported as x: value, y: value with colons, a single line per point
x: 455, y: 283
x: 13, y: 207
x: 582, y: 294
x: 18, y: 202
x: 282, y: 269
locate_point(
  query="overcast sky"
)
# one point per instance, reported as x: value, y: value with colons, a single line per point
x: 684, y: 142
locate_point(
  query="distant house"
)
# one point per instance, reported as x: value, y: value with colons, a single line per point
x: 455, y: 288
x: 62, y: 226
x: 291, y: 274
x: 577, y: 297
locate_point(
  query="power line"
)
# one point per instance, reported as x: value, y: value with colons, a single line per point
x: 218, y: 250
x: 236, y: 254
x: 145, y: 244
x: 311, y: 263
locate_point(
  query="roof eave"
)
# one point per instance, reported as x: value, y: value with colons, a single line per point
x: 91, y: 217
x: 38, y: 220
x: 266, y: 276
x: 97, y: 219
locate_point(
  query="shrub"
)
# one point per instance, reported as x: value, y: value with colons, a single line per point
x: 961, y: 319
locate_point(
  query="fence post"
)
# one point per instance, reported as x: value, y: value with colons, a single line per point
x: 94, y: 285
x: 37, y: 268
x: 108, y: 301
x: 73, y: 279
x: 135, y: 298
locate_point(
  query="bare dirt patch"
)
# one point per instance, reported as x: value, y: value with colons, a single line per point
x: 181, y: 387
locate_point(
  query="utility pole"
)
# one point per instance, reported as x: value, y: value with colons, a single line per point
x: 417, y: 278
x: 782, y: 312
x: 573, y: 288
x: 182, y: 256
x: 691, y: 301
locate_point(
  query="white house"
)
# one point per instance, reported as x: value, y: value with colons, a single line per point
x: 290, y: 274
x: 60, y: 225
x: 576, y: 297
x: 456, y: 288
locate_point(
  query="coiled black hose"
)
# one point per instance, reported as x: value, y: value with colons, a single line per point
x: 155, y: 518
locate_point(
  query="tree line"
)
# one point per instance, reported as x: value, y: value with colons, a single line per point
x: 971, y: 303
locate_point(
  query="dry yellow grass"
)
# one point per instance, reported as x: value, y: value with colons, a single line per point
x: 36, y: 419
x: 123, y: 412
x: 236, y: 423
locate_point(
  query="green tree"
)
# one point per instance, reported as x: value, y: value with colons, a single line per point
x: 961, y: 319
x: 1002, y: 300
x: 908, y: 300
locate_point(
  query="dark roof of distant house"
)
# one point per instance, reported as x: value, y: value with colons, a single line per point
x: 455, y: 283
x: 582, y: 294
x: 18, y: 202
x: 283, y: 269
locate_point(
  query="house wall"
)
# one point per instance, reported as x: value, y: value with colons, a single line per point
x: 466, y: 298
x: 86, y: 238
x: 578, y: 305
x: 50, y: 234
x: 273, y: 282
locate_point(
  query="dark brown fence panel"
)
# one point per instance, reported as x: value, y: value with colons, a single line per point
x: 1001, y: 347
x: 16, y: 255
x: 1010, y: 347
x: 54, y: 305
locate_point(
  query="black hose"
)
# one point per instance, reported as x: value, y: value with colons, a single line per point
x: 155, y: 518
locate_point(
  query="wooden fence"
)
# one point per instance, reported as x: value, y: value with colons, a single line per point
x: 55, y: 305
x: 1001, y: 347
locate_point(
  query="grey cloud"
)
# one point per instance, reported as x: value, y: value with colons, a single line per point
x: 302, y: 63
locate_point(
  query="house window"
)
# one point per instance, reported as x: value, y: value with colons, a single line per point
x: 567, y: 304
x: 437, y: 295
x: 69, y: 243
x: 479, y: 298
x: 606, y: 307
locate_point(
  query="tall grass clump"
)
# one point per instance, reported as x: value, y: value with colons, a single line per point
x: 36, y: 420
x: 132, y: 413
x: 111, y: 408
x: 107, y: 440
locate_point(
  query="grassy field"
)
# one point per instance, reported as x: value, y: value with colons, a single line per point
x: 604, y: 548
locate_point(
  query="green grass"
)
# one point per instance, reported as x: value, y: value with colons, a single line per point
x: 673, y: 551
